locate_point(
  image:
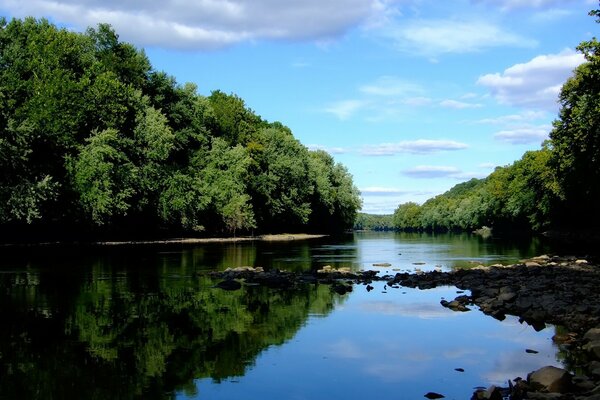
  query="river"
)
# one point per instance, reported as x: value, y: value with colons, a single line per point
x: 124, y: 322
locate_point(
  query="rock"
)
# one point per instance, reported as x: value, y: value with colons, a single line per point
x: 229, y: 284
x: 531, y: 351
x: 433, y: 395
x: 532, y: 264
x: 459, y: 369
x: 341, y: 289
x: 581, y: 262
x: 454, y: 305
x: 583, y: 384
x: 592, y: 335
x: 507, y: 297
x: 492, y: 393
x: 593, y: 348
x: 369, y: 288
x: 550, y: 379
x: 382, y: 265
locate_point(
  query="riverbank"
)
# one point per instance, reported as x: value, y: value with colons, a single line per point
x: 562, y: 291
x: 280, y: 237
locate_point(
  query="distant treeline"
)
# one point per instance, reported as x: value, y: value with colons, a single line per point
x: 556, y: 187
x: 93, y: 139
x: 374, y: 222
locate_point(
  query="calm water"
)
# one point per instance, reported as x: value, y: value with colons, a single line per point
x: 145, y: 322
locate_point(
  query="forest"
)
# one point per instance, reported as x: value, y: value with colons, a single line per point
x: 555, y: 187
x: 94, y: 141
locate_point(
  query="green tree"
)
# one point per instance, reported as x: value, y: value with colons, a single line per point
x: 407, y: 216
x: 575, y: 140
x: 104, y: 177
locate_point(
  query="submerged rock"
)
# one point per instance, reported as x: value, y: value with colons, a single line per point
x: 550, y: 379
x: 434, y: 395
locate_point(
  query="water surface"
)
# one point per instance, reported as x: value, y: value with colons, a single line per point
x: 145, y: 322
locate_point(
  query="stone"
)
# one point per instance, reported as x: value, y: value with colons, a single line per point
x: 493, y: 393
x: 592, y: 335
x: 507, y: 297
x: 550, y: 379
x: 593, y: 348
x: 532, y: 264
x: 229, y: 284
x: 581, y: 262
x: 433, y: 395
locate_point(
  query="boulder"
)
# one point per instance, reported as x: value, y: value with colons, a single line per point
x: 592, y: 335
x: 550, y: 379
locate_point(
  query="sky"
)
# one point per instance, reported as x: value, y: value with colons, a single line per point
x: 412, y: 96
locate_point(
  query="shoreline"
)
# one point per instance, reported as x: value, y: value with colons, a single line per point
x: 562, y: 291
x: 279, y: 237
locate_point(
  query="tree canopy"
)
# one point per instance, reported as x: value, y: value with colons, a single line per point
x: 93, y: 138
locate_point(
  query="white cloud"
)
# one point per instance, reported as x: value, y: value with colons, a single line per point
x: 516, y: 4
x: 524, y: 135
x: 435, y: 36
x: 458, y: 105
x: 431, y: 172
x: 346, y: 108
x: 534, y: 84
x: 208, y: 24
x: 525, y: 116
x: 421, y: 146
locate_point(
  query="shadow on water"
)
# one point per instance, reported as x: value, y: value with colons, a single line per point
x: 131, y: 324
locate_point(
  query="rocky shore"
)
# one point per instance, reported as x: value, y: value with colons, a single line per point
x: 563, y: 291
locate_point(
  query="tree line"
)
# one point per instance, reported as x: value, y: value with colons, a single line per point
x: 555, y: 187
x: 93, y: 139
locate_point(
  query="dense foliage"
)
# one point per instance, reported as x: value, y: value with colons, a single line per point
x: 92, y: 137
x: 557, y: 186
x: 374, y: 222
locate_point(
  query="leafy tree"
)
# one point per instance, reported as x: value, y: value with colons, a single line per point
x: 407, y: 216
x: 104, y: 177
x: 90, y: 132
x: 575, y: 140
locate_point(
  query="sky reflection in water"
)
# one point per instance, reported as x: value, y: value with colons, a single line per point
x: 400, y: 344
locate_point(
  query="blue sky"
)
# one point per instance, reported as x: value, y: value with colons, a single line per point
x: 413, y: 96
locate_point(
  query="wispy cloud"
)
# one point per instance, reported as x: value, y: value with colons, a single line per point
x: 534, y: 84
x: 508, y: 5
x: 330, y: 150
x: 346, y: 108
x: 392, y: 86
x: 432, y: 37
x: 421, y: 146
x: 525, y: 135
x: 487, y: 165
x: 458, y: 105
x: 431, y: 171
x: 510, y: 119
x: 382, y: 191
